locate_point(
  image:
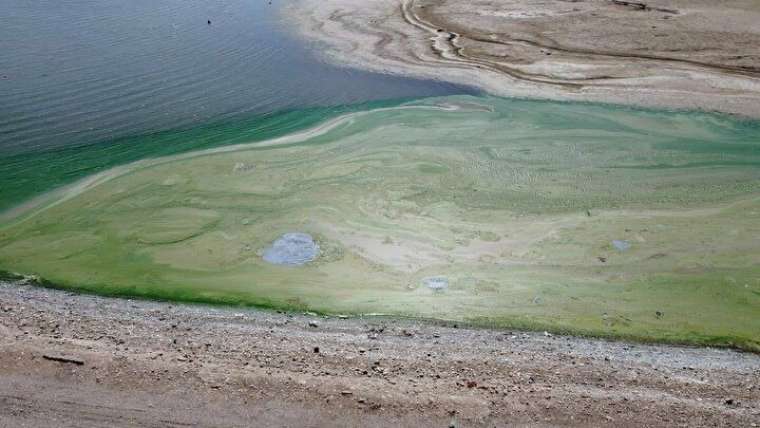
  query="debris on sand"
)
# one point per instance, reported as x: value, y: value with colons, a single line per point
x: 436, y: 283
x: 67, y: 360
x: 243, y: 167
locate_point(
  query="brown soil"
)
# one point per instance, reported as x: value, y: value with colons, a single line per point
x: 70, y: 360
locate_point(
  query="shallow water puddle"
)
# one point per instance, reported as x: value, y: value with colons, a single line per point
x: 293, y: 249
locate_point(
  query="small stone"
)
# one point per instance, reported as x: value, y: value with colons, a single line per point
x: 313, y: 324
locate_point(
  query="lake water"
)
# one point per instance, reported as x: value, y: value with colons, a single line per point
x: 86, y: 84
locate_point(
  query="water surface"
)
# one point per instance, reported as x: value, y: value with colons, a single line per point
x: 509, y: 213
x: 88, y: 84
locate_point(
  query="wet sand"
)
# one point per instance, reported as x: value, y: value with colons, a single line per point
x: 670, y: 54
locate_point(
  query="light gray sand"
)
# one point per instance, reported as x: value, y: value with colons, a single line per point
x: 696, y: 54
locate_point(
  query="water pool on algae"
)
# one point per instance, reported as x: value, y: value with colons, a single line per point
x: 519, y: 207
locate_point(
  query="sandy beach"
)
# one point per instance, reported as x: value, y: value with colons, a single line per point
x: 665, y: 54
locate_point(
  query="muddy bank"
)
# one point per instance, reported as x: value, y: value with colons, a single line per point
x: 662, y: 53
x: 154, y: 364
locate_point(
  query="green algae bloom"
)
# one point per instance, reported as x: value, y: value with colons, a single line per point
x: 568, y: 217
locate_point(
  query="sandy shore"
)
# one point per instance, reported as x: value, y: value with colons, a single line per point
x: 693, y: 54
x: 80, y: 361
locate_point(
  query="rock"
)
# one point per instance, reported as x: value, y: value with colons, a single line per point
x: 316, y: 349
x: 346, y: 393
x: 471, y: 384
x: 313, y: 324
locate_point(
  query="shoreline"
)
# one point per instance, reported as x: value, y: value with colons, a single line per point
x: 19, y: 280
x: 434, y: 39
x: 172, y: 365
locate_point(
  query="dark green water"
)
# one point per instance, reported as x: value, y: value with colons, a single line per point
x: 88, y: 84
x: 30, y: 173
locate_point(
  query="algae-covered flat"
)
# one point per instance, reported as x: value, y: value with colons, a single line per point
x: 582, y: 218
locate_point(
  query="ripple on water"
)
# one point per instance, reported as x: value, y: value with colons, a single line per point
x: 292, y: 249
